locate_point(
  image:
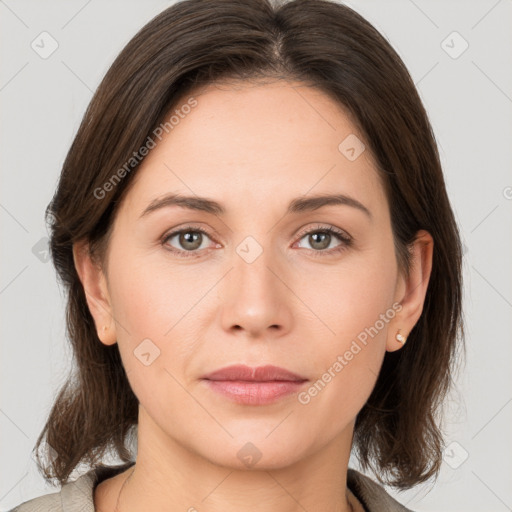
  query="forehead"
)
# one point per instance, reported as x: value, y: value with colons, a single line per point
x: 265, y: 141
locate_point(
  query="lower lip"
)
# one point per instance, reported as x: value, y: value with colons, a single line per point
x: 254, y: 393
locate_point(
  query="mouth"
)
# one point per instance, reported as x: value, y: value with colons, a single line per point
x: 254, y: 385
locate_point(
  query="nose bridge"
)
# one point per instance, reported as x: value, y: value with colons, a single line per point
x: 252, y: 263
x: 256, y: 295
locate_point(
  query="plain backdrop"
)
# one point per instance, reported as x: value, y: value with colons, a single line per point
x: 459, y: 55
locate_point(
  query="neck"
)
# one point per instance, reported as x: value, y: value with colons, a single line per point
x: 169, y: 477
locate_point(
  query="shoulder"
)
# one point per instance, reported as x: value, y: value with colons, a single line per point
x: 75, y: 496
x: 40, y: 504
x: 371, y: 494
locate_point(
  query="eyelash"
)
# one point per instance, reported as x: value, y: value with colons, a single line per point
x: 342, y: 237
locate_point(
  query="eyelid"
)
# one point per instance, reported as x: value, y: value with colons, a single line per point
x: 176, y: 231
x: 325, y: 227
x: 345, y: 238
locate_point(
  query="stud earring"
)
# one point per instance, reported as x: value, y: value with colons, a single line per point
x: 402, y: 339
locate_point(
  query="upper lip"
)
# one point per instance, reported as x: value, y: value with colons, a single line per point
x: 266, y: 373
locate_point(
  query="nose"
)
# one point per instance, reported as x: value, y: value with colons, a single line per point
x: 255, y: 296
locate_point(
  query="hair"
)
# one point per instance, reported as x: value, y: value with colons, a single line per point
x: 319, y: 43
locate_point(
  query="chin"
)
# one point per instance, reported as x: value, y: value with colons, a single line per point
x: 257, y: 454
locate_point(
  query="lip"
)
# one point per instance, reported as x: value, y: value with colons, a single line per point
x: 254, y: 385
x: 241, y: 372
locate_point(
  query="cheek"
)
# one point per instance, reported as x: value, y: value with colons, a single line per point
x: 154, y: 308
x: 353, y: 305
x: 348, y: 297
x: 147, y: 298
x: 144, y: 306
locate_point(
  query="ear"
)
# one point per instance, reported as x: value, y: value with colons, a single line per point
x: 96, y: 292
x: 411, y: 291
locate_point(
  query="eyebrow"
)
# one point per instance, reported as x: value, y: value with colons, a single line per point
x: 298, y: 205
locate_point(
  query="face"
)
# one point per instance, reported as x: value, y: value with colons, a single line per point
x: 312, y: 289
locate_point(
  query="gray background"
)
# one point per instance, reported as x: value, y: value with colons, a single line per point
x: 469, y: 101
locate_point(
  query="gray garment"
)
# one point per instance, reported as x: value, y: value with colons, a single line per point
x: 77, y: 496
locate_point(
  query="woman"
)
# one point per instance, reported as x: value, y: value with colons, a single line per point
x: 263, y: 270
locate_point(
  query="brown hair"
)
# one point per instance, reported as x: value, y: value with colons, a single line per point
x: 319, y: 43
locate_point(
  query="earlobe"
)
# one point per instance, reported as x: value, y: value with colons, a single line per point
x: 400, y: 337
x: 396, y: 339
x: 413, y: 291
x: 96, y: 292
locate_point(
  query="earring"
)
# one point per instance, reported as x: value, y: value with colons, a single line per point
x: 402, y: 339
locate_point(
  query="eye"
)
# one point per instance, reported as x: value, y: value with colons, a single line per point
x: 190, y: 240
x: 320, y: 238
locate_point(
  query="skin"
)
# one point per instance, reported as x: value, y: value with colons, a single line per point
x: 253, y: 148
